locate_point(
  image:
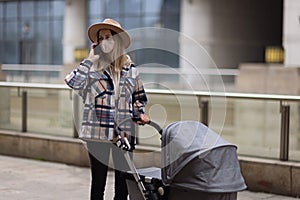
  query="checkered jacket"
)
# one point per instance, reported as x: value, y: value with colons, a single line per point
x: 98, y: 94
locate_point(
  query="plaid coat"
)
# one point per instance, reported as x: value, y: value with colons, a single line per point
x: 101, y: 105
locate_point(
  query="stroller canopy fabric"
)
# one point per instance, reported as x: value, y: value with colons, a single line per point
x: 195, y: 157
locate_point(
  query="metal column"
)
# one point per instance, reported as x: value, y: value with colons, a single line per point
x: 24, y: 111
x: 204, y: 111
x: 284, y: 132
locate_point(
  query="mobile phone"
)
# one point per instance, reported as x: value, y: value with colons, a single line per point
x: 97, y: 49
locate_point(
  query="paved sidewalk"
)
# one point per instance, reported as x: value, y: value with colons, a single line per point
x: 38, y: 180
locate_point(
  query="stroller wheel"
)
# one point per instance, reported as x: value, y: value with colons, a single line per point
x: 161, y: 191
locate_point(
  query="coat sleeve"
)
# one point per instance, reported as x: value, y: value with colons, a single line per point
x: 139, y: 97
x: 77, y: 79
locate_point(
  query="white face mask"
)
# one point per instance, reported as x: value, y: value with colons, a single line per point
x: 107, y: 45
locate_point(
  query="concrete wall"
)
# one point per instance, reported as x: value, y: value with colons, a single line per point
x: 260, y: 174
x: 271, y: 176
x: 57, y: 149
x: 268, y: 79
x: 232, y: 31
x: 61, y: 149
x: 75, y: 33
x: 291, y: 30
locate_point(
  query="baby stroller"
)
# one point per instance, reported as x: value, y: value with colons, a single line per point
x: 197, y: 163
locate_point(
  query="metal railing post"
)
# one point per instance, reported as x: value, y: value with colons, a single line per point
x: 284, y: 132
x: 24, y: 111
x: 204, y: 111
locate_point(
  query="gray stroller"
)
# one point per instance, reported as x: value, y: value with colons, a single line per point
x: 197, y: 163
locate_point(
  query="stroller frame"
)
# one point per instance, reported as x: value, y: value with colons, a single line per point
x: 146, y: 194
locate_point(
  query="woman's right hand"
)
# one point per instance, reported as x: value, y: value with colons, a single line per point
x: 92, y: 57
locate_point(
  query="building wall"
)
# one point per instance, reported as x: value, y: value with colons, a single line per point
x: 291, y: 30
x: 74, y: 35
x: 232, y: 31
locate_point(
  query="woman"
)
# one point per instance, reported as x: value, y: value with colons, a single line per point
x: 112, y: 91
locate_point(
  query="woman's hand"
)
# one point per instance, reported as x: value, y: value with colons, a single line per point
x: 92, y: 57
x: 143, y: 119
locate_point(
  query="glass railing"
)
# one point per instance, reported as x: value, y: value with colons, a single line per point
x: 261, y: 125
x: 38, y: 108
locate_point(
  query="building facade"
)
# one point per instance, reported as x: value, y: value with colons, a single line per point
x: 231, y: 31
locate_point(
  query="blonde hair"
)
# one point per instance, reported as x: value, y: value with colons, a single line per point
x: 117, y: 58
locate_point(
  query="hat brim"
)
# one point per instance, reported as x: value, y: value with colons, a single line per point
x: 93, y: 30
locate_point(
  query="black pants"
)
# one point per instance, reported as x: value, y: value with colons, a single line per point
x: 99, y: 160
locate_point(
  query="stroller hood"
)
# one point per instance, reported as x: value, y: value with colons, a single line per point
x: 188, y: 161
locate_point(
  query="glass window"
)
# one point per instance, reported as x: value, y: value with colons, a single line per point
x: 29, y: 23
x: 93, y: 21
x: 57, y: 53
x: 1, y: 30
x: 11, y: 52
x: 171, y: 21
x: 96, y: 8
x: 1, y: 25
x: 1, y: 10
x: 11, y: 30
x: 151, y: 21
x: 27, y: 51
x: 43, y: 8
x: 27, y: 9
x: 57, y: 32
x: 153, y: 6
x: 27, y: 27
x: 43, y: 31
x: 143, y: 13
x: 137, y: 13
x: 172, y: 6
x: 58, y: 8
x: 44, y: 49
x: 113, y: 6
x: 1, y: 51
x: 133, y: 7
x: 132, y: 22
x: 11, y: 10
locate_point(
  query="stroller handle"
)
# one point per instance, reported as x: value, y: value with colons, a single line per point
x: 156, y: 126
x: 150, y: 123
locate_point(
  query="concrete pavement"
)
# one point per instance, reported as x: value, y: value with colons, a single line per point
x: 28, y: 179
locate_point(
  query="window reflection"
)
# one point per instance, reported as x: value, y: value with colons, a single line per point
x: 134, y: 7
x: 58, y: 8
x: 43, y: 8
x: 11, y: 9
x: 113, y: 6
x: 25, y: 26
x: 153, y: 6
x: 141, y: 13
x: 136, y: 13
x: 27, y: 9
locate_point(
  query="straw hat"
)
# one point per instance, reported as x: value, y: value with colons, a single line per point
x: 111, y: 25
